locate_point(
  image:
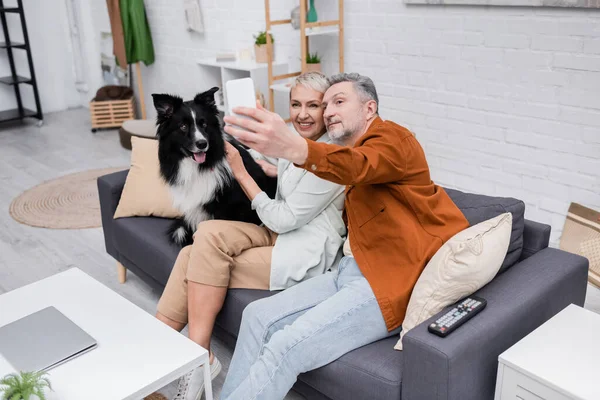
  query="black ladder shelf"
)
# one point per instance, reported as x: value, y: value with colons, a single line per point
x: 15, y: 80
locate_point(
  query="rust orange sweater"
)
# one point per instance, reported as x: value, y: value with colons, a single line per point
x: 397, y: 217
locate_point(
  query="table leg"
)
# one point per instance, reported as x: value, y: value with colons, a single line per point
x: 207, y: 381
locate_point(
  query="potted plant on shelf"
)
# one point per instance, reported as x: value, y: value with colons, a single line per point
x: 313, y: 62
x: 24, y: 386
x: 260, y: 47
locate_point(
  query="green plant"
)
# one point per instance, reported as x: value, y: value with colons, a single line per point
x: 261, y: 38
x: 21, y: 386
x: 313, y: 58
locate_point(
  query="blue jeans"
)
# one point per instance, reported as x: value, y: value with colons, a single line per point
x: 302, y: 328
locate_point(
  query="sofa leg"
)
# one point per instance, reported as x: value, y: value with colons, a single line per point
x: 122, y: 272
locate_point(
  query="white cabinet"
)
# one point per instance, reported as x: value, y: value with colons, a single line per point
x: 560, y: 360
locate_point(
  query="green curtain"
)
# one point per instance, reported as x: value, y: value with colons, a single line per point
x: 136, y: 32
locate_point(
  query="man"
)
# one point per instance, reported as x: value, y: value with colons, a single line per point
x: 397, y: 219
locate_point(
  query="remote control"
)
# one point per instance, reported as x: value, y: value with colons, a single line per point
x: 462, y: 311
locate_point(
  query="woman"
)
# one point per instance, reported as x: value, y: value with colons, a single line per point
x: 301, y: 238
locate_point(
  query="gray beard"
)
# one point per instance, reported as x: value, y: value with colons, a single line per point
x: 340, y: 138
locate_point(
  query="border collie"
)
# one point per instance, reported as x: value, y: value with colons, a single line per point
x: 192, y: 157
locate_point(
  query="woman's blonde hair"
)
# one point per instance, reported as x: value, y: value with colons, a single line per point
x: 313, y: 80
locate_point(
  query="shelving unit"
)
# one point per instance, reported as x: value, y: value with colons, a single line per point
x: 219, y: 72
x: 332, y: 27
x: 14, y: 79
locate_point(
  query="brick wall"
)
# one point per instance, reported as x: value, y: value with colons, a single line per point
x: 504, y: 100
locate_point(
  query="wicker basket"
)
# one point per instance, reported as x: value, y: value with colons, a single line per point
x: 111, y: 113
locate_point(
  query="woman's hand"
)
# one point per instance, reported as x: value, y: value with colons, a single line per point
x: 235, y: 161
x: 269, y: 169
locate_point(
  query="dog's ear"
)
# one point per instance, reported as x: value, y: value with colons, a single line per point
x: 166, y: 104
x: 207, y: 97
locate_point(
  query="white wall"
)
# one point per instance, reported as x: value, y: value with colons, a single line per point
x: 504, y: 100
x: 52, y: 57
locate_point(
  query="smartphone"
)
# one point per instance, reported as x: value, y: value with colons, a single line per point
x: 240, y: 93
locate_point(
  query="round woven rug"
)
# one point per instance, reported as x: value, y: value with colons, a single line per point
x: 68, y: 202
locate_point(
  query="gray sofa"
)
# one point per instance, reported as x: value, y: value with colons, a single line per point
x: 535, y: 283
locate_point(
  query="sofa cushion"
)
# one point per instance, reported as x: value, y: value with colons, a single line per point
x: 478, y: 208
x: 370, y: 372
x: 144, y: 240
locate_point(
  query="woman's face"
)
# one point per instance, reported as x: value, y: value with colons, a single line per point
x: 306, y: 112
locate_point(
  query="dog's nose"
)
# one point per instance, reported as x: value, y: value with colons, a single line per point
x: 202, y: 144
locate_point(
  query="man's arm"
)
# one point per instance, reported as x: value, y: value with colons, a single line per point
x: 377, y: 160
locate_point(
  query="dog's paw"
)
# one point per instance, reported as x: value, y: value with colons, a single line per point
x: 179, y: 236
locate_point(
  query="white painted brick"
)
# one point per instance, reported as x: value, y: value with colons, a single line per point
x: 489, y: 104
x: 588, y: 198
x: 592, y: 135
x: 404, y: 48
x: 481, y: 55
x: 552, y: 189
x: 465, y: 114
x: 502, y: 177
x: 579, y: 62
x: 540, y: 141
x: 446, y: 52
x: 366, y: 46
x: 572, y: 178
x: 475, y: 185
x: 506, y: 41
x: 555, y: 206
x: 420, y: 107
x: 525, y: 168
x: 557, y: 43
x: 411, y: 92
x: 451, y: 98
x: 443, y: 178
x: 591, y: 46
x: 579, y: 98
x: 580, y: 116
x: 484, y: 24
x: 447, y: 23
x: 463, y: 38
x: 546, y: 78
x: 554, y: 129
x: 519, y: 193
x: 542, y: 216
x: 505, y: 74
x: 563, y: 27
x: 431, y: 136
x: 412, y: 63
x: 527, y: 59
x: 586, y: 80
x: 537, y: 110
x: 385, y: 89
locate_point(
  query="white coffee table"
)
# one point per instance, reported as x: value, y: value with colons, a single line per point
x: 136, y: 353
x: 559, y: 360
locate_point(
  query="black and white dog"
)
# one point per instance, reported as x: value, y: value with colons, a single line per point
x: 192, y: 157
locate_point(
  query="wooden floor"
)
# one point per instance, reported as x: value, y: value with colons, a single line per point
x: 64, y: 144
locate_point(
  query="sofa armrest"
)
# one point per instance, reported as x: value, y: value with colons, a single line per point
x: 464, y: 364
x: 536, y: 237
x: 110, y: 188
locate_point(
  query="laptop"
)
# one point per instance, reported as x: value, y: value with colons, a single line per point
x: 43, y: 340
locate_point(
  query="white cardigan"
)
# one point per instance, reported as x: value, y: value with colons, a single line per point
x: 307, y: 215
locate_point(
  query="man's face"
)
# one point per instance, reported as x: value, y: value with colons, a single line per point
x: 345, y: 114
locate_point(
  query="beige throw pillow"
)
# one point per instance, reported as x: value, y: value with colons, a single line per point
x: 463, y: 265
x: 145, y: 192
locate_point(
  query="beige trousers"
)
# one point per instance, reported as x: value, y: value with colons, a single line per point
x: 225, y: 254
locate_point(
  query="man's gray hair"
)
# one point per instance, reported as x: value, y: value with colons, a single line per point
x: 363, y: 85
x: 313, y: 80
